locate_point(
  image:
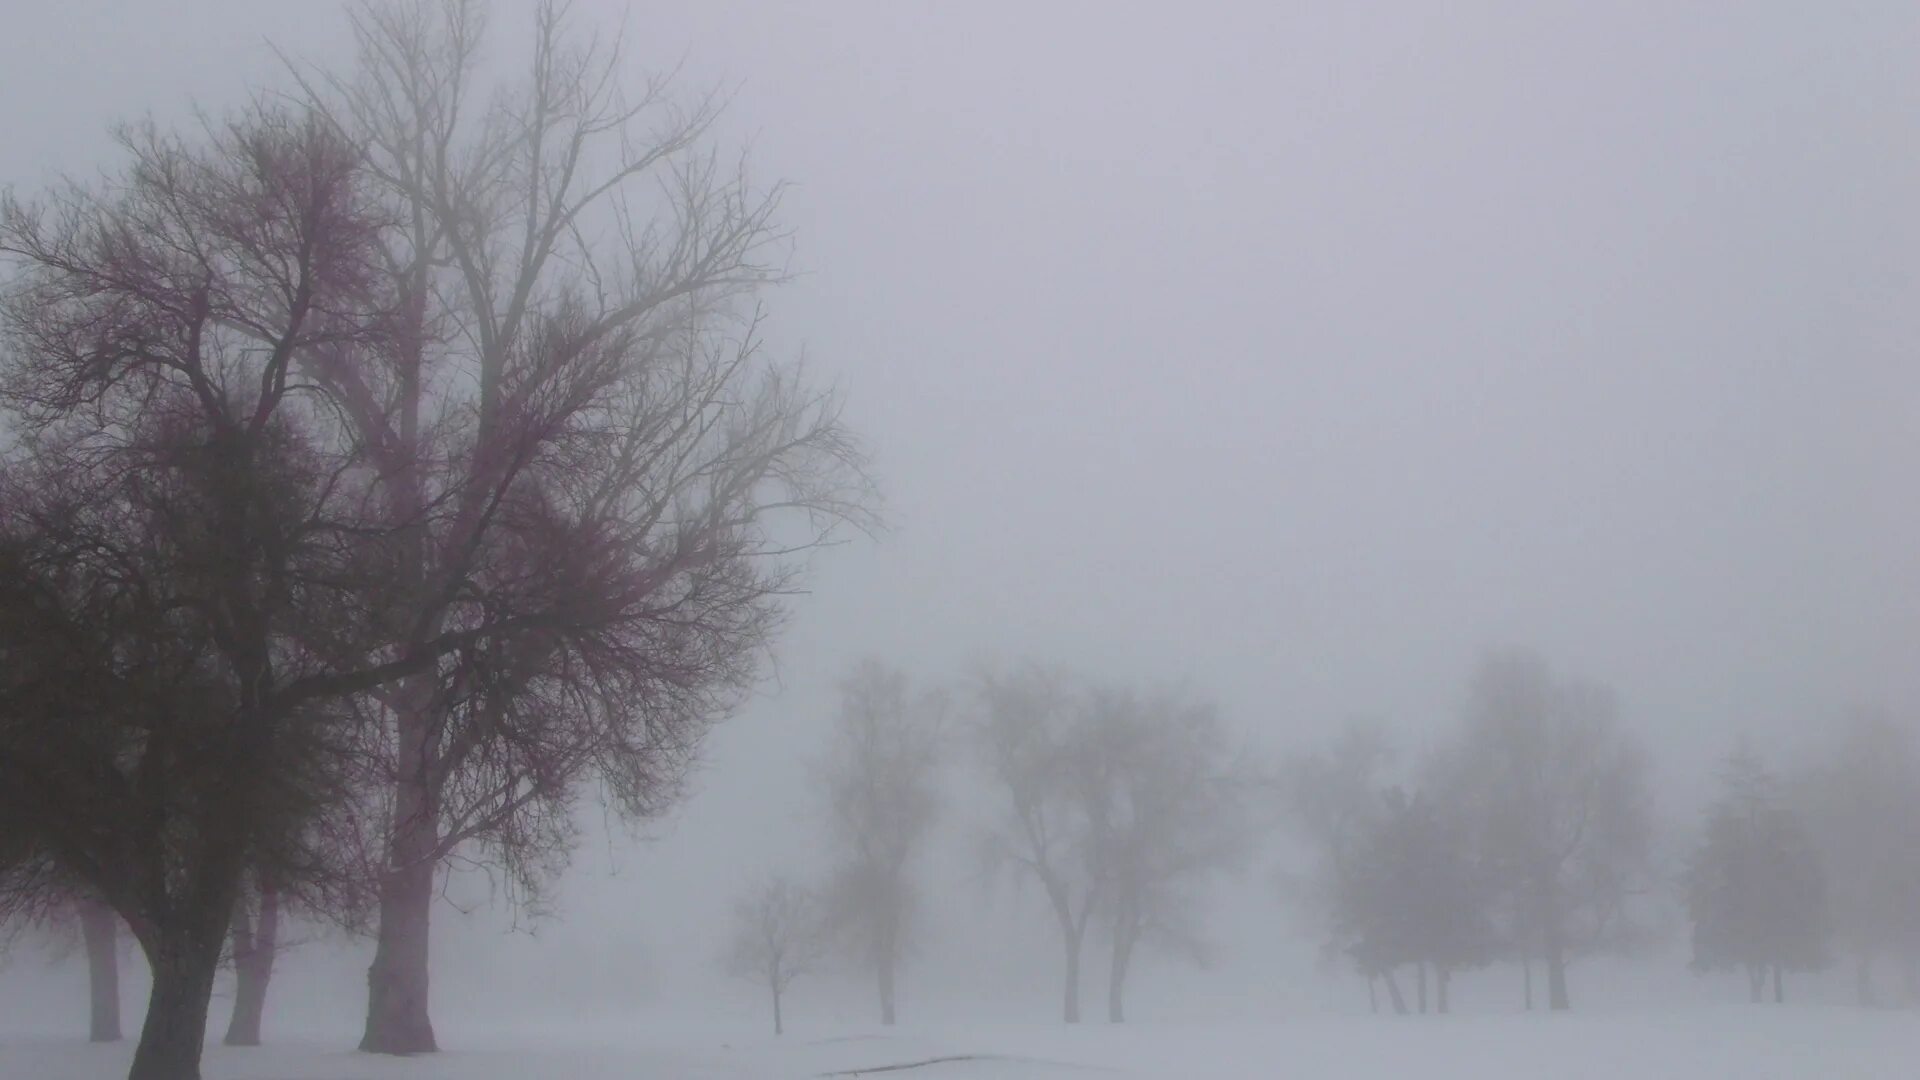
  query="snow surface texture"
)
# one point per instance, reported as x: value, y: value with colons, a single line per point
x: 1706, y: 1043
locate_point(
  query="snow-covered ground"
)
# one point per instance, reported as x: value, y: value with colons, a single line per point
x: 1704, y: 1043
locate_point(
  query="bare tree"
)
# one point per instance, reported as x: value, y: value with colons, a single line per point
x: 1026, y: 740
x: 778, y: 935
x: 1556, y: 793
x: 1168, y: 813
x: 879, y: 778
x: 575, y: 404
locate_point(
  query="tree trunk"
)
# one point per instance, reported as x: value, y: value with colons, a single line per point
x: 1072, y: 993
x: 1756, y: 979
x: 885, y: 973
x: 253, y: 950
x: 1863, y: 980
x: 100, y: 930
x: 1557, y: 999
x: 175, y: 1030
x: 1779, y: 994
x: 1441, y: 976
x: 397, y: 1020
x: 1117, y: 978
x: 779, y: 1028
x: 1910, y: 976
x: 1373, y: 997
x: 1393, y: 993
x: 1420, y: 983
x: 1526, y: 978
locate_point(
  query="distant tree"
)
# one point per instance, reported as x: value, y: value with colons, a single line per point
x: 777, y: 937
x: 1861, y: 800
x: 1755, y: 889
x: 1556, y: 795
x: 1170, y: 817
x: 1416, y: 896
x: 1029, y: 741
x: 879, y: 777
x: 1332, y: 799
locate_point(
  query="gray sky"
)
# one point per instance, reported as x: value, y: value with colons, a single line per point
x: 1303, y: 351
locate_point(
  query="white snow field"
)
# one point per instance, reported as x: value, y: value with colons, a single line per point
x: 1703, y: 1043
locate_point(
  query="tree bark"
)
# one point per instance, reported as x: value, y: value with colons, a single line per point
x: 99, y: 928
x: 175, y: 1031
x: 397, y: 983
x: 1420, y: 983
x: 1393, y: 993
x: 253, y: 951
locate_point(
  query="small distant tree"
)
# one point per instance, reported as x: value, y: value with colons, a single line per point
x: 1755, y: 889
x: 879, y: 778
x: 1556, y: 795
x: 1026, y: 740
x: 777, y: 938
x: 1861, y: 799
x: 1169, y: 818
x: 1332, y: 799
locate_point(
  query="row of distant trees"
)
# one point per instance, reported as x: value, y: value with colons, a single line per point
x: 1526, y: 836
x: 385, y: 466
x: 1115, y: 804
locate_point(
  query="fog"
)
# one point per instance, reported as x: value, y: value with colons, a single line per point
x: 1298, y: 354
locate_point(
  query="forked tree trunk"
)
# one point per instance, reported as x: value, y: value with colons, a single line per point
x: 253, y: 951
x: 99, y: 928
x: 397, y: 1020
x: 1393, y: 993
x: 175, y: 1030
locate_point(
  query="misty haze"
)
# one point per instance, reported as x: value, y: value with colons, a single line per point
x: 962, y: 541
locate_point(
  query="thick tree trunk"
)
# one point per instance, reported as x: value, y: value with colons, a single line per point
x: 1393, y: 993
x: 175, y: 1030
x: 1420, y: 983
x: 397, y: 1020
x: 99, y: 928
x: 253, y: 951
x: 1442, y: 976
x: 1779, y: 993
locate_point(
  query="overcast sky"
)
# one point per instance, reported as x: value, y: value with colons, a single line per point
x: 1300, y: 351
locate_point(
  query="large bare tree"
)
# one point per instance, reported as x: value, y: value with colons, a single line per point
x: 576, y: 403
x: 879, y: 779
